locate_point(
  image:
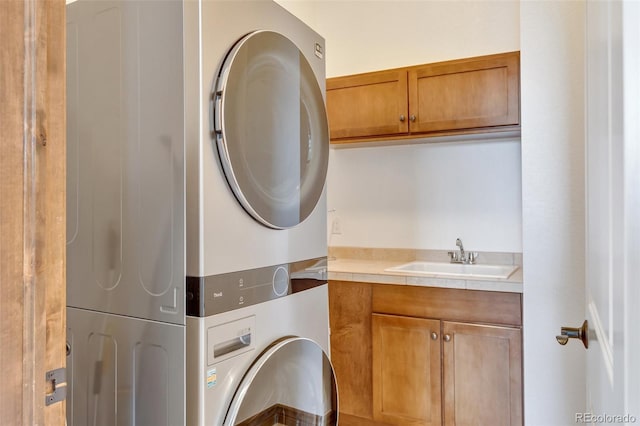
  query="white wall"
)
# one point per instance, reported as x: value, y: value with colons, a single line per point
x: 420, y: 196
x: 553, y: 193
x: 426, y: 196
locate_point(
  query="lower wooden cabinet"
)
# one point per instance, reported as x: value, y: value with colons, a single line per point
x: 482, y: 374
x: 421, y: 363
x: 350, y: 325
x: 406, y: 370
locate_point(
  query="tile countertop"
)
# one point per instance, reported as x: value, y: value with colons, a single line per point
x: 368, y: 265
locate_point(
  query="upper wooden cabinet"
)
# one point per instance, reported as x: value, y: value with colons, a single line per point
x: 474, y: 95
x: 466, y: 94
x: 368, y: 104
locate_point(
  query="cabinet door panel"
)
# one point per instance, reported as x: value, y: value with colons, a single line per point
x: 406, y: 370
x: 465, y: 94
x: 367, y: 104
x: 350, y: 324
x: 482, y: 375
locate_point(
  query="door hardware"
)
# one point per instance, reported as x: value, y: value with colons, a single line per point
x: 56, y: 377
x: 581, y: 333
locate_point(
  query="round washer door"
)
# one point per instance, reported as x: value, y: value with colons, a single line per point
x: 292, y: 382
x: 270, y: 125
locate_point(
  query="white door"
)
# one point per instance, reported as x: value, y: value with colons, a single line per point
x: 613, y: 194
x: 555, y: 263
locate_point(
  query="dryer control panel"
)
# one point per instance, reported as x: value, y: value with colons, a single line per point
x: 225, y: 292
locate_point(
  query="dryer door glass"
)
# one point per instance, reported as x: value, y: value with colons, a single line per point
x: 291, y: 383
x: 270, y: 126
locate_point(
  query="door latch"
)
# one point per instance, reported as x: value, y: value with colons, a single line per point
x: 57, y: 378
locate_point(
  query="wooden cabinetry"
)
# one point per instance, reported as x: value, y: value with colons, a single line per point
x: 482, y: 374
x: 368, y: 104
x: 350, y: 325
x: 434, y: 356
x: 473, y: 95
x: 406, y: 382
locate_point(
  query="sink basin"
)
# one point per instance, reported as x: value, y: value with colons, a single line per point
x: 456, y: 269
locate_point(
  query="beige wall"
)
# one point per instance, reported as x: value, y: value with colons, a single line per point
x: 370, y: 35
x: 420, y: 196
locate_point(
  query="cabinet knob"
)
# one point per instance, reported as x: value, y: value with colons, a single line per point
x: 434, y: 335
x: 402, y: 118
x: 412, y: 117
x: 447, y: 337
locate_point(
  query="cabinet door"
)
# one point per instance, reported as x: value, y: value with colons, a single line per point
x: 465, y: 94
x: 406, y: 370
x: 350, y: 325
x: 365, y: 105
x: 482, y: 375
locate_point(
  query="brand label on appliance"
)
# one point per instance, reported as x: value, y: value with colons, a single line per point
x: 212, y: 378
x: 216, y: 295
x: 318, y: 51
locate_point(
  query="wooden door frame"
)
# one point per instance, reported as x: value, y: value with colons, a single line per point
x: 32, y: 214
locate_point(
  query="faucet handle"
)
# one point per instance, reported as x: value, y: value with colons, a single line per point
x: 453, y: 255
x: 472, y: 256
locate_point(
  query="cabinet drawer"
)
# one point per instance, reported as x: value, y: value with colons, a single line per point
x: 486, y: 307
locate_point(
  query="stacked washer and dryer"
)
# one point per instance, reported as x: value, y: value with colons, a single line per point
x: 197, y: 157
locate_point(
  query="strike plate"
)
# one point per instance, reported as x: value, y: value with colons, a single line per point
x: 56, y: 377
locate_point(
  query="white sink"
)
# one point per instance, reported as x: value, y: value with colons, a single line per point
x: 456, y: 269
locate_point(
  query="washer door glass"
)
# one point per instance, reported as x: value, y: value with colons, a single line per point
x: 270, y: 126
x: 291, y: 383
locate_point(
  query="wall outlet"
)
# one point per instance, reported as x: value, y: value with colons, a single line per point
x: 336, y: 226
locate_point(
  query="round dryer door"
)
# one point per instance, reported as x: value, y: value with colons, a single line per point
x: 292, y: 382
x: 270, y: 125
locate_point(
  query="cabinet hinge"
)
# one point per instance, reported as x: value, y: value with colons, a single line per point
x: 57, y: 378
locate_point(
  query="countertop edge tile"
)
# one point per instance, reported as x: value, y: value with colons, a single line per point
x: 503, y: 286
x: 340, y: 276
x: 436, y: 282
x: 380, y: 278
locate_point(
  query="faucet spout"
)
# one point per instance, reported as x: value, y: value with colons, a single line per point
x: 459, y: 244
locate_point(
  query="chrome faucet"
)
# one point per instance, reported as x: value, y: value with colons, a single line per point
x: 461, y: 256
x: 459, y: 244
